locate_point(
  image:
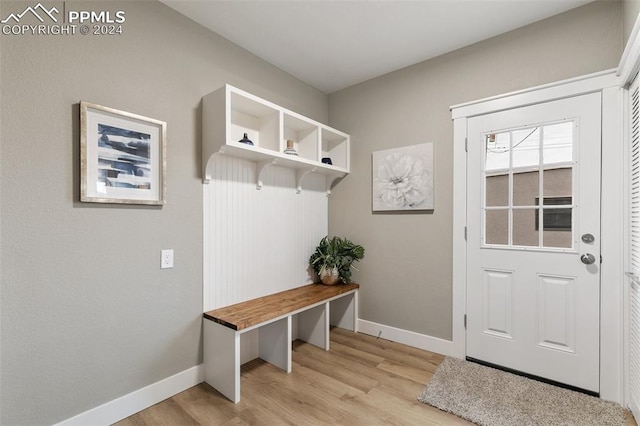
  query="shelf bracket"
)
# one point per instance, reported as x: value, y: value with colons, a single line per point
x: 260, y: 168
x: 208, y: 165
x: 331, y: 180
x: 300, y: 175
x: 210, y: 159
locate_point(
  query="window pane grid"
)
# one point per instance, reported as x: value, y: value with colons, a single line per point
x: 516, y: 166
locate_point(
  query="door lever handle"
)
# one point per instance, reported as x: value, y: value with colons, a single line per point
x: 587, y: 258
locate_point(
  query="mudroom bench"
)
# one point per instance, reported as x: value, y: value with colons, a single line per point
x: 304, y: 313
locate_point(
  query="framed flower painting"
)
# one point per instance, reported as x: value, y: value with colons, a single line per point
x: 403, y: 178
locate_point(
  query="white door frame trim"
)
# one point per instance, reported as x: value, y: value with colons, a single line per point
x: 630, y: 60
x: 611, y: 328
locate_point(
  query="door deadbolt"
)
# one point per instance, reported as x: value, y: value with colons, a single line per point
x: 587, y: 258
x: 588, y: 238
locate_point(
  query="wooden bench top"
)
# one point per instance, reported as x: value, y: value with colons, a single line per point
x: 246, y: 314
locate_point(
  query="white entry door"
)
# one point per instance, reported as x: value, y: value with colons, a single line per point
x: 533, y: 240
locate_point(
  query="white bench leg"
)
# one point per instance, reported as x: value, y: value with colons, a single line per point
x: 221, y: 354
x: 344, y: 312
x: 275, y: 343
x: 313, y: 326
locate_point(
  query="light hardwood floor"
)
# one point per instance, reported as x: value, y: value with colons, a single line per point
x: 360, y: 381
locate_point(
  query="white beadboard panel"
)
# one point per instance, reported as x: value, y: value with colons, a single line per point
x: 258, y: 242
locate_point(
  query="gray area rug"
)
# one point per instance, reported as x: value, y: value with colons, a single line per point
x: 491, y: 397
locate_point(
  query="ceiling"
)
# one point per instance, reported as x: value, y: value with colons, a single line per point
x: 336, y: 44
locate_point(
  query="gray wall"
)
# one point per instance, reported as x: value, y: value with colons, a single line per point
x: 406, y: 274
x: 87, y: 314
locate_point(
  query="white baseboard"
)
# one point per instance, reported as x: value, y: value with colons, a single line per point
x: 130, y: 404
x: 409, y: 338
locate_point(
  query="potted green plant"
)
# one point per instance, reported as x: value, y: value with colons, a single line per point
x: 333, y: 259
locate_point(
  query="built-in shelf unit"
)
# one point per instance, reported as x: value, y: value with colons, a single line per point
x: 229, y: 113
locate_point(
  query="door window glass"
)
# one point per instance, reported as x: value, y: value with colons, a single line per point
x: 524, y: 231
x: 497, y: 148
x: 498, y: 190
x: 528, y: 187
x: 558, y: 143
x: 497, y: 229
x: 526, y: 147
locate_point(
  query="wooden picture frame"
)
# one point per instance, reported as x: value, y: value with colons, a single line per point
x: 122, y: 157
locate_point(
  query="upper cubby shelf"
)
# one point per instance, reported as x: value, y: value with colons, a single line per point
x: 229, y: 113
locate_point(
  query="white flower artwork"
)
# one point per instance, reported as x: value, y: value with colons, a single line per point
x: 403, y: 178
